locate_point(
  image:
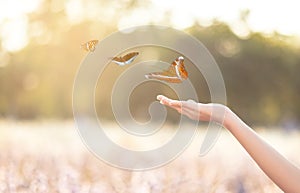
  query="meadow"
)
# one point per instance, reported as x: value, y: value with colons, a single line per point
x: 49, y: 156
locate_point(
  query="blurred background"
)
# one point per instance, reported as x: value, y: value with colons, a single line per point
x: 256, y: 48
x: 255, y: 43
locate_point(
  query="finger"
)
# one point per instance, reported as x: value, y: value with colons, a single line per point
x: 162, y: 99
x: 178, y: 109
x: 182, y: 110
x: 190, y: 104
x: 192, y: 114
x: 166, y: 101
x: 159, y: 97
x: 173, y: 103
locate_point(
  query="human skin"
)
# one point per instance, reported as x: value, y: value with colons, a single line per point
x: 281, y: 171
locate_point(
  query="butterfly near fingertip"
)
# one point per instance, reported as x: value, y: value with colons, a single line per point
x: 126, y: 59
x: 176, y: 72
x: 90, y: 46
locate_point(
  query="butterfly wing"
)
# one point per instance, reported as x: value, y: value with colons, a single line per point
x: 180, y: 69
x: 118, y: 60
x: 168, y: 75
x: 163, y: 77
x: 124, y: 60
x: 183, y: 72
x: 176, y: 73
x: 128, y: 58
x: 90, y: 46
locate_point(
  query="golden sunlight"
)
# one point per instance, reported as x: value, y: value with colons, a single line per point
x: 14, y: 23
x: 264, y: 16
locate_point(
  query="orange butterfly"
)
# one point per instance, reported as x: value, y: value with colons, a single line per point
x: 90, y: 46
x: 176, y: 73
x: 124, y: 60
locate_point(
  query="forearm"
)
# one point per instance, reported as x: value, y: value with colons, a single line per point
x: 279, y: 169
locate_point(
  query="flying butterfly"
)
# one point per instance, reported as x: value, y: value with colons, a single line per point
x: 176, y: 73
x: 90, y: 46
x: 126, y: 59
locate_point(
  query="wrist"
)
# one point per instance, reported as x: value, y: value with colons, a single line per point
x: 219, y: 113
x: 229, y: 117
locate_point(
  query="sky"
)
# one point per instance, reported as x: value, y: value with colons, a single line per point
x: 264, y: 16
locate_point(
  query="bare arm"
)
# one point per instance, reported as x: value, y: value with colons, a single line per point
x: 279, y: 169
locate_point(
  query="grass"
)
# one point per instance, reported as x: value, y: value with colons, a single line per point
x: 50, y: 157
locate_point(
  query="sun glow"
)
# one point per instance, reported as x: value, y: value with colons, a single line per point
x: 264, y: 16
x: 14, y: 23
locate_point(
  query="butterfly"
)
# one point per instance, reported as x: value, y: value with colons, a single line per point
x: 176, y: 73
x: 124, y: 60
x: 90, y: 45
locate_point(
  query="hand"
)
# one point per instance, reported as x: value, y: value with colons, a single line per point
x: 196, y: 111
x: 284, y: 173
